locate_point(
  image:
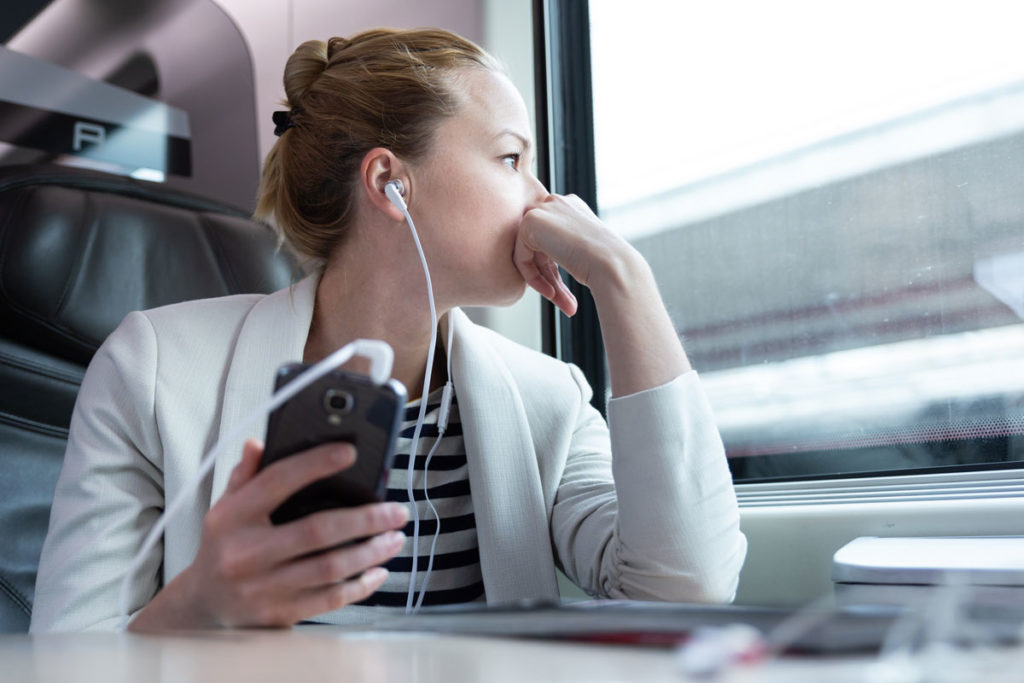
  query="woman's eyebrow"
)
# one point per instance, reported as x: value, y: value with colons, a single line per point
x: 525, y: 141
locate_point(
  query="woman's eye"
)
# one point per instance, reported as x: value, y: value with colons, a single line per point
x: 511, y: 160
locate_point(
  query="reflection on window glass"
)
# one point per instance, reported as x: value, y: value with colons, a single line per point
x: 831, y: 197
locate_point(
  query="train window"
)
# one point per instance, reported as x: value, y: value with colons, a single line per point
x: 831, y: 199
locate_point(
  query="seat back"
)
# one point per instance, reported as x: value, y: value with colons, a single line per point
x: 78, y: 251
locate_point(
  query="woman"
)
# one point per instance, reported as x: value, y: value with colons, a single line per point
x: 645, y: 510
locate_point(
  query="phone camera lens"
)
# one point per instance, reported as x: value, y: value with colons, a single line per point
x: 337, y: 401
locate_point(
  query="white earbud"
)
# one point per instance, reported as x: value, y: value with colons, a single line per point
x: 394, y: 189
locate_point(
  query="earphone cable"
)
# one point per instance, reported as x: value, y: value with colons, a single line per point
x: 409, y: 605
x: 442, y: 426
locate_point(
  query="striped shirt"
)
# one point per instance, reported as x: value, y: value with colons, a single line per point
x: 456, y: 576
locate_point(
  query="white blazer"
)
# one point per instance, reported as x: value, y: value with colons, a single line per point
x: 646, y: 511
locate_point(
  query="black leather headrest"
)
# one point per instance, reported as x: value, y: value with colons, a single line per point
x: 80, y: 249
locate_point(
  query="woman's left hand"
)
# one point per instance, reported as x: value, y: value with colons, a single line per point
x: 641, y: 343
x: 563, y: 231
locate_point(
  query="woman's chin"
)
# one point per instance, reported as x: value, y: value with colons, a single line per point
x: 507, y: 295
x: 514, y: 294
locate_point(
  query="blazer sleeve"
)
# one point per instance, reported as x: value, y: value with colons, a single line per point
x: 656, y: 518
x: 109, y: 493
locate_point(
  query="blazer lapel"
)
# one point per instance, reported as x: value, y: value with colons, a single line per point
x: 511, y: 518
x: 274, y: 333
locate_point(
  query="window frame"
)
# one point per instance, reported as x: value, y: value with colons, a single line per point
x: 565, y: 112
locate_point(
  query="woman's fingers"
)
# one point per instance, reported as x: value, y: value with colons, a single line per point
x: 275, y: 484
x: 318, y: 583
x: 264, y: 547
x: 329, y: 598
x: 266, y: 604
x: 562, y: 230
x: 247, y: 467
x: 250, y: 572
x: 540, y: 272
x: 564, y: 299
x: 274, y: 592
x: 340, y: 564
x: 525, y: 260
x: 566, y: 231
x: 331, y: 528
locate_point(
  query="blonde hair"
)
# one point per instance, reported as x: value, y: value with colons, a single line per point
x: 380, y: 88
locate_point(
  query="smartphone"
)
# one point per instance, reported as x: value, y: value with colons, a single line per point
x: 339, y: 406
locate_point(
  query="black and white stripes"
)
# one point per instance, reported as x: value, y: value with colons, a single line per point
x: 456, y: 575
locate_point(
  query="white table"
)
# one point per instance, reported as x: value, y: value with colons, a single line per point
x: 324, y: 654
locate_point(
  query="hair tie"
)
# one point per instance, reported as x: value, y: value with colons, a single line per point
x: 283, y: 121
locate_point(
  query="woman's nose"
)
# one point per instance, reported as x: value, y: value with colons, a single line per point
x: 538, y: 193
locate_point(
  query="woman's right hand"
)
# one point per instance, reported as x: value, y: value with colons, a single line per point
x: 249, y: 572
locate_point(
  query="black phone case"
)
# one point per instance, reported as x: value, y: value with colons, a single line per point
x: 340, y: 406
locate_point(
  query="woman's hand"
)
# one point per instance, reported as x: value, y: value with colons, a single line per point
x: 641, y: 343
x: 563, y: 231
x: 249, y: 572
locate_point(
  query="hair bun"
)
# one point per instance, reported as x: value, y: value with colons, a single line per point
x: 303, y: 68
x: 336, y: 45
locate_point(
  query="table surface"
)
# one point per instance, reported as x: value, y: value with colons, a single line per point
x: 322, y: 654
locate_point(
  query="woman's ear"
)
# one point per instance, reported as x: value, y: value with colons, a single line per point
x: 380, y: 166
